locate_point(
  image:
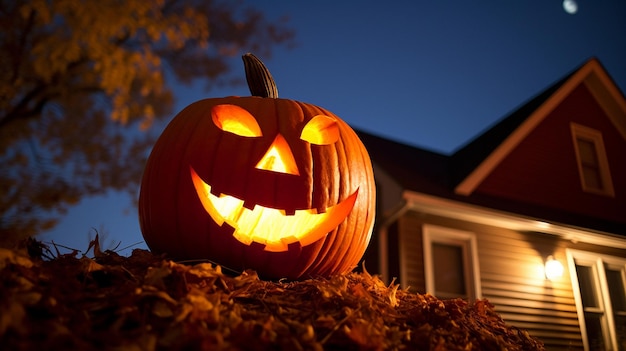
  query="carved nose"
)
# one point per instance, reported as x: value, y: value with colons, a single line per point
x: 279, y: 158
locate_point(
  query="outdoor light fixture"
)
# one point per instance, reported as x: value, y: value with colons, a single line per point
x: 553, y: 268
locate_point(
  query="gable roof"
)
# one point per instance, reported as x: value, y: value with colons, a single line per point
x: 455, y: 177
x: 469, y: 157
x: 478, y: 158
x: 413, y: 168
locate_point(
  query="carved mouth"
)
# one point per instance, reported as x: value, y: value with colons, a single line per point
x: 271, y: 227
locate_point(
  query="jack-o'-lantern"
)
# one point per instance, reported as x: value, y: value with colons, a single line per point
x: 282, y: 187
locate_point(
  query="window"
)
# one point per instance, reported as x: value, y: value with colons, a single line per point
x: 599, y: 284
x: 593, y: 166
x: 450, y: 263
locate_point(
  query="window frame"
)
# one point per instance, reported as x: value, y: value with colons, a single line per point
x: 598, y: 263
x: 595, y: 136
x: 449, y: 236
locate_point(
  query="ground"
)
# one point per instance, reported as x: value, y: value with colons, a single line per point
x: 69, y: 301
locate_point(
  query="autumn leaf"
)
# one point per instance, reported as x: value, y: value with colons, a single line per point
x: 146, y: 302
x: 83, y: 82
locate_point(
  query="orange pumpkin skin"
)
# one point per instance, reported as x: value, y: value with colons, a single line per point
x: 174, y: 221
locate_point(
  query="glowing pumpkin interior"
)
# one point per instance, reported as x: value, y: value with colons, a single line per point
x: 272, y: 227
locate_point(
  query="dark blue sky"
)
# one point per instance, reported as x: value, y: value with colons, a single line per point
x: 429, y: 73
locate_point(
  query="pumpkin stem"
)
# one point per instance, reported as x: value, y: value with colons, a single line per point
x: 259, y: 79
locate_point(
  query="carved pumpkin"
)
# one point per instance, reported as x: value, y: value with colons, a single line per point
x: 279, y: 186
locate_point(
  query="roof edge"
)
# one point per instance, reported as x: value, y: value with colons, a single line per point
x: 471, y: 181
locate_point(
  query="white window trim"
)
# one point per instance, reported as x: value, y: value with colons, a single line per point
x: 437, y: 234
x: 598, y: 261
x: 603, y: 163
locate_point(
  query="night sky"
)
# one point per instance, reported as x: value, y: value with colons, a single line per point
x: 433, y: 74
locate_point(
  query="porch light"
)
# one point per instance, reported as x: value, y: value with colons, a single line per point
x: 553, y: 268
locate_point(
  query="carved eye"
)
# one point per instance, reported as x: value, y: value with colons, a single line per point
x: 320, y: 130
x: 236, y: 120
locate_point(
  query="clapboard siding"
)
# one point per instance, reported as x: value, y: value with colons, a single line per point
x: 512, y: 304
x: 540, y: 319
x: 569, y: 316
x: 412, y: 276
x: 523, y: 280
x: 511, y: 272
x: 529, y: 290
x: 512, y: 279
x: 525, y: 299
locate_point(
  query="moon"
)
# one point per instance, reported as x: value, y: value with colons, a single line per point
x: 570, y: 6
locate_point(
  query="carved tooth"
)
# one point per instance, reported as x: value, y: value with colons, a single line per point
x: 249, y: 205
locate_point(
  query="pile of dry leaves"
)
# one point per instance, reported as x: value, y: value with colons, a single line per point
x: 145, y: 302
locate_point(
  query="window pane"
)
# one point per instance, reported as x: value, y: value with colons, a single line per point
x: 587, y: 286
x: 589, y: 162
x: 592, y: 177
x: 448, y: 262
x: 594, y: 331
x: 616, y: 290
x: 587, y: 152
x: 620, y: 331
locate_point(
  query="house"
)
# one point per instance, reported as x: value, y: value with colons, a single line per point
x: 544, y: 187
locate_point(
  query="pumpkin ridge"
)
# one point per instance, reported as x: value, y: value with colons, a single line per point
x: 181, y: 180
x: 160, y: 161
x: 174, y: 221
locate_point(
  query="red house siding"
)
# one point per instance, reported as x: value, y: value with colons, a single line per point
x: 542, y: 169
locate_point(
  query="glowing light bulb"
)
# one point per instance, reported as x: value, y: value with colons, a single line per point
x: 554, y: 268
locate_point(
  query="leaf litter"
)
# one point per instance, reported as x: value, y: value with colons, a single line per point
x: 147, y: 302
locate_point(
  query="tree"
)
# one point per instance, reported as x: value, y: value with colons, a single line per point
x: 79, y: 79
